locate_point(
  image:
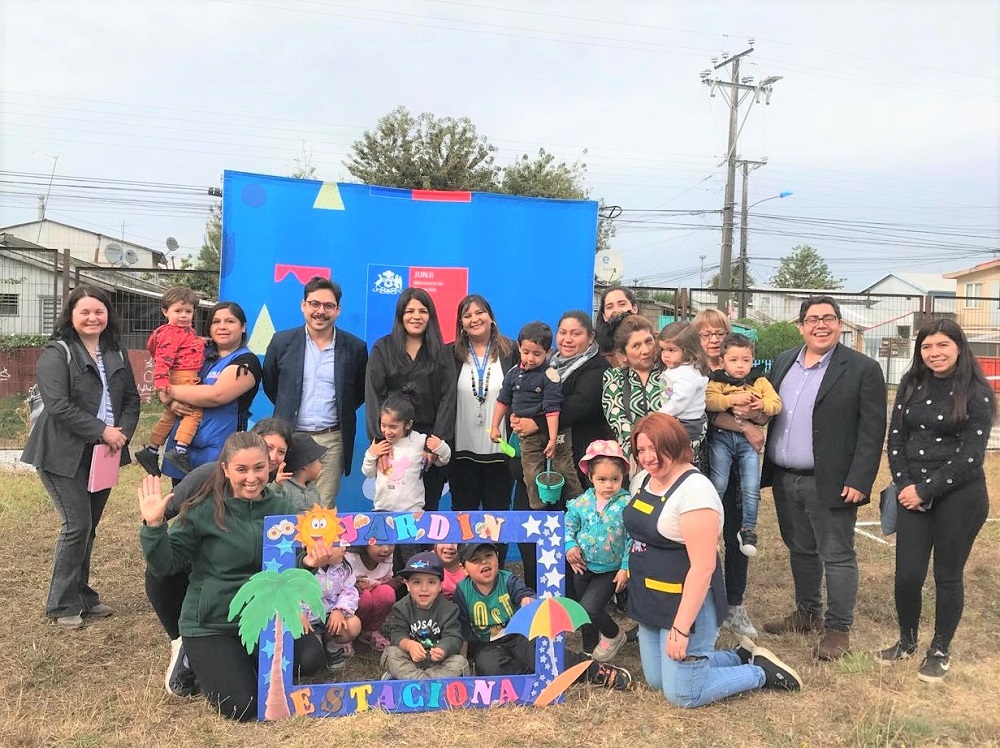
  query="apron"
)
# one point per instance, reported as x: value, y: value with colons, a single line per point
x: 216, y: 423
x: 658, y: 566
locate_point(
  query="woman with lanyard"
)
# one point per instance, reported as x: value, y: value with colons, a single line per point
x: 675, y: 584
x: 412, y: 361
x: 478, y: 474
x: 230, y: 378
x: 633, y: 390
x: 89, y: 397
x: 713, y: 326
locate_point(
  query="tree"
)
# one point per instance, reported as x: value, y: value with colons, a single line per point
x: 774, y: 339
x: 304, y: 166
x: 805, y: 268
x: 275, y: 595
x: 443, y: 153
x: 207, y: 259
x: 736, y: 273
x: 424, y: 152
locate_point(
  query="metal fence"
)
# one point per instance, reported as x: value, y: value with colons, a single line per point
x: 882, y: 326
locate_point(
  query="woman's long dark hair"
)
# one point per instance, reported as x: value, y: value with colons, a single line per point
x: 433, y: 342
x: 500, y: 346
x: 605, y: 331
x: 967, y: 377
x: 218, y: 485
x: 64, y: 330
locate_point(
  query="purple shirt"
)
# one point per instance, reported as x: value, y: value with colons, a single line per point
x: 791, y: 442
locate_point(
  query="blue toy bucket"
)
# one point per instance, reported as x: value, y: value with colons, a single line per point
x: 549, y: 484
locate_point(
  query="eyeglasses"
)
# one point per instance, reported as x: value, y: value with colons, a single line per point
x: 327, y: 306
x: 712, y: 335
x: 826, y: 319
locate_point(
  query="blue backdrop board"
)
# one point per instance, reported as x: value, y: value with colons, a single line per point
x: 532, y: 259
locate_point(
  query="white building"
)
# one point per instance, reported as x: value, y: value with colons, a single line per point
x: 87, y: 246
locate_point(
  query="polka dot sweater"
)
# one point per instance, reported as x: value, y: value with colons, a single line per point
x: 926, y: 452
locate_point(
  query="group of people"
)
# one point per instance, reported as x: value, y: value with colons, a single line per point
x: 659, y: 438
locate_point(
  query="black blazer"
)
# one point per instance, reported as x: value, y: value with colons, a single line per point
x: 283, y: 365
x: 848, y: 423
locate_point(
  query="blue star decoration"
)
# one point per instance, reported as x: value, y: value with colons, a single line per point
x: 284, y: 546
x: 268, y: 648
x: 273, y: 564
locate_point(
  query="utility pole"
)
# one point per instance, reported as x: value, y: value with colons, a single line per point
x: 701, y: 277
x: 744, y: 210
x: 734, y: 85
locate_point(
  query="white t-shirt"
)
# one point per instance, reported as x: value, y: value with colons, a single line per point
x: 471, y: 435
x: 381, y: 573
x: 401, y: 489
x: 683, y: 393
x: 696, y: 492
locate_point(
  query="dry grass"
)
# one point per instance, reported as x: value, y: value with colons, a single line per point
x: 102, y: 686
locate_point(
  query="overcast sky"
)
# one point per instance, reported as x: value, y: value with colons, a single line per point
x: 885, y: 123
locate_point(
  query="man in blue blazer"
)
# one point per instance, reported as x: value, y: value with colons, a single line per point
x: 316, y: 379
x: 822, y: 454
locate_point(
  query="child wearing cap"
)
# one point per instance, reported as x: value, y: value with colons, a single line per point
x: 423, y: 627
x: 597, y: 545
x: 302, y: 461
x: 486, y: 601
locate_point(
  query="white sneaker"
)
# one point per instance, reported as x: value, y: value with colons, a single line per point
x: 607, y: 648
x: 739, y: 622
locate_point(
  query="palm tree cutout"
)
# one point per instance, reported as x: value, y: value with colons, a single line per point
x: 277, y: 596
x: 545, y: 619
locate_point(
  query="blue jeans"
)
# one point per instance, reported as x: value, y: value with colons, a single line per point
x: 726, y: 448
x: 714, y: 676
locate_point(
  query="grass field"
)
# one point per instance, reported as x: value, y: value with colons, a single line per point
x: 103, y: 685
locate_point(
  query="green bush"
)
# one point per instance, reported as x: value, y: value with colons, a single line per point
x: 11, y: 342
x: 774, y: 339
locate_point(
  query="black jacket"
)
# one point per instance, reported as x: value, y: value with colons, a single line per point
x: 71, y: 394
x: 848, y: 423
x: 430, y: 385
x: 283, y: 365
x: 581, y: 409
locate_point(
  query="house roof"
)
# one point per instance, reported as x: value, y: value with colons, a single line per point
x: 161, y: 256
x: 989, y: 264
x: 925, y: 282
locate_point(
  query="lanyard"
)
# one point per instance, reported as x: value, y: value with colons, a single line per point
x: 479, y: 388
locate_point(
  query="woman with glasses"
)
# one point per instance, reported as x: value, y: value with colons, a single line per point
x: 940, y: 426
x: 713, y: 326
x: 412, y: 361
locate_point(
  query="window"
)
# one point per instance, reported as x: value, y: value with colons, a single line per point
x: 48, y: 307
x: 9, y: 304
x: 972, y: 293
x: 903, y: 331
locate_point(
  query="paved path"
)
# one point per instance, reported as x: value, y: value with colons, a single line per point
x: 9, y: 460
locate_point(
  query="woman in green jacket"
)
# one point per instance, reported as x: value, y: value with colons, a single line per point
x: 219, y: 533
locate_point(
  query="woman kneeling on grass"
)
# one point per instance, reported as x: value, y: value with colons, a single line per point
x: 676, y: 591
x: 218, y: 533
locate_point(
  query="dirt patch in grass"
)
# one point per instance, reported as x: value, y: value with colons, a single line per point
x: 103, y: 685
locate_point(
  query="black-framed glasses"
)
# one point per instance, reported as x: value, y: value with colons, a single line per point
x: 326, y: 306
x: 712, y: 335
x: 826, y: 319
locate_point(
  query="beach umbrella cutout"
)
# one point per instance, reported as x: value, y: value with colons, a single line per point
x: 546, y: 618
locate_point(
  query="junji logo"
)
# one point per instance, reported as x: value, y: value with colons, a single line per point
x: 388, y: 282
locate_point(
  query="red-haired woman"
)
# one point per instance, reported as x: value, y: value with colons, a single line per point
x: 676, y: 591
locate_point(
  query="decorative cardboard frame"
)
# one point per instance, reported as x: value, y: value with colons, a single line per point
x: 544, y: 529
